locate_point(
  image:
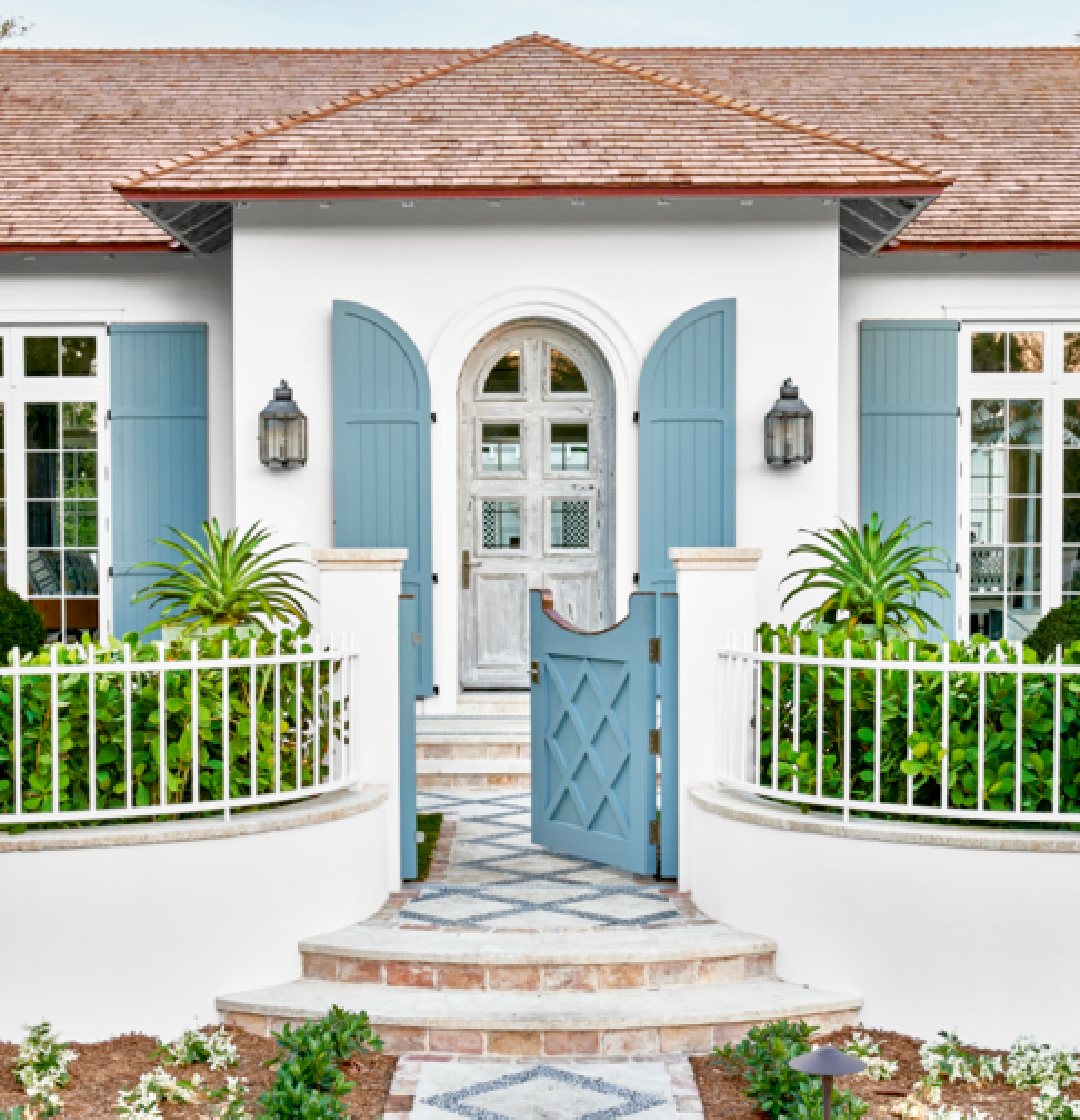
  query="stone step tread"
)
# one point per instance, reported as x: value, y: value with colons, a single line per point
x: 445, y: 738
x: 472, y: 766
x: 454, y: 730
x: 485, y: 947
x: 623, y: 1009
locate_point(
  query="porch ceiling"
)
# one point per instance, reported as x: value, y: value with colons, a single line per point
x: 869, y: 224
x: 201, y: 226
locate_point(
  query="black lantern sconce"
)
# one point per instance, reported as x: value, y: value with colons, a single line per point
x: 789, y: 429
x: 282, y: 431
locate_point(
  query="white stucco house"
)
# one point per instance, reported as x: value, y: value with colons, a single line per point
x: 535, y: 302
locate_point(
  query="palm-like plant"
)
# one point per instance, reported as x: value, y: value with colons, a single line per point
x: 231, y: 580
x: 875, y: 580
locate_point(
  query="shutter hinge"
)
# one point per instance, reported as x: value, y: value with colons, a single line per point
x: 434, y: 577
x: 654, y: 833
x: 637, y: 417
x: 434, y: 690
x: 108, y: 416
x: 637, y: 578
x: 654, y: 741
x: 654, y: 651
x: 110, y: 571
x: 958, y: 412
x: 433, y: 417
x: 959, y: 570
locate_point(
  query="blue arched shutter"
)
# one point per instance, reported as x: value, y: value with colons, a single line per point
x: 159, y: 458
x: 382, y: 454
x: 908, y: 438
x: 686, y: 452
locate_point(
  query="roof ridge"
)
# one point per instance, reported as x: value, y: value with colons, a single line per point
x: 281, y: 124
x: 741, y: 105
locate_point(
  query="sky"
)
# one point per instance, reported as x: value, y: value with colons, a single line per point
x: 591, y: 23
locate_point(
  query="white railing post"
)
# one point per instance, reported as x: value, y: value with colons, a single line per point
x: 359, y: 589
x: 717, y: 590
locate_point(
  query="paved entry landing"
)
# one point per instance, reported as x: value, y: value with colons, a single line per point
x: 498, y: 879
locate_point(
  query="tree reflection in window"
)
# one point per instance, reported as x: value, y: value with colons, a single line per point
x: 565, y: 375
x: 505, y: 375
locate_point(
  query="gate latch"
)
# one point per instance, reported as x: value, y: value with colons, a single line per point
x: 654, y: 832
x: 534, y: 672
x: 654, y: 741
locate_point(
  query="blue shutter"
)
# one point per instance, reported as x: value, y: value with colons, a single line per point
x: 159, y: 457
x: 686, y: 450
x: 382, y: 454
x: 908, y: 438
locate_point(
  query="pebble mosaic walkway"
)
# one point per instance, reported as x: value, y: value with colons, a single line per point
x: 496, y: 878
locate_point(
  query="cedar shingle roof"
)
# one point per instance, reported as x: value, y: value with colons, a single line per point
x: 1003, y: 123
x: 536, y: 114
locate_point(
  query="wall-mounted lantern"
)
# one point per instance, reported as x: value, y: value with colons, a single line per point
x: 789, y: 429
x: 282, y: 431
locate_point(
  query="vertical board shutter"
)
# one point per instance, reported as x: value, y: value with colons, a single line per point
x: 159, y: 451
x: 382, y: 454
x: 686, y: 450
x: 908, y: 438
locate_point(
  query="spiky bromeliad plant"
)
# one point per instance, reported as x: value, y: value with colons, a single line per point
x: 875, y: 579
x: 231, y: 580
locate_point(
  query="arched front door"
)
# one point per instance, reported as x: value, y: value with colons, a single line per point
x: 535, y: 486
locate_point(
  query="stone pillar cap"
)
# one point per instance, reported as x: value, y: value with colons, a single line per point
x: 715, y: 559
x: 359, y: 559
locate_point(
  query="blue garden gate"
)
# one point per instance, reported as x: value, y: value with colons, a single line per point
x: 604, y: 710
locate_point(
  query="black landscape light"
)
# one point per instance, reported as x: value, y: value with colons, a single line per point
x: 827, y: 1062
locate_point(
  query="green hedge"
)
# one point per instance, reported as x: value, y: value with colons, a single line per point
x: 251, y: 698
x: 796, y: 753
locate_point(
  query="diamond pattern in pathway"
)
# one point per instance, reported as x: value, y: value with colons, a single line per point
x: 499, y: 879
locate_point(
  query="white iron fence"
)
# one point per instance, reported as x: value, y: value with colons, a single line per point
x: 94, y: 734
x: 905, y: 731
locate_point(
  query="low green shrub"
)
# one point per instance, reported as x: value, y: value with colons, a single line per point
x: 1059, y: 627
x: 918, y: 695
x: 428, y: 824
x: 20, y: 625
x: 189, y: 720
x: 776, y: 1089
x: 309, y: 1081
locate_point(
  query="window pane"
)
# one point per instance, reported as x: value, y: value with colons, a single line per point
x: 988, y: 352
x: 79, y: 357
x: 1072, y: 352
x: 1, y: 357
x: 569, y: 447
x: 43, y: 524
x: 570, y: 524
x: 1072, y: 424
x: 988, y: 617
x: 1071, y: 472
x: 80, y: 425
x: 43, y: 474
x: 80, y: 474
x: 44, y: 572
x: 42, y: 426
x: 1026, y: 351
x: 505, y: 375
x: 988, y: 521
x: 1025, y: 422
x: 987, y: 569
x: 1070, y: 571
x: 1025, y: 569
x: 80, y: 573
x: 502, y: 524
x: 42, y: 357
x: 565, y: 375
x: 500, y: 447
x: 987, y: 423
x: 987, y: 472
x: 1025, y: 472
x: 1070, y: 527
x: 80, y: 524
x: 1025, y: 520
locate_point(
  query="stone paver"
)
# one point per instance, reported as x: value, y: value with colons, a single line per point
x: 655, y: 1089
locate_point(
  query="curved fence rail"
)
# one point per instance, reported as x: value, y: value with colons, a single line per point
x: 98, y: 734
x: 969, y: 733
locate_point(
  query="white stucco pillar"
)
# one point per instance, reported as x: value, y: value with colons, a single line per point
x: 359, y: 590
x: 717, y: 590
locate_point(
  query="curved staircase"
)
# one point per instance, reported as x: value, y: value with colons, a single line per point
x: 513, y: 950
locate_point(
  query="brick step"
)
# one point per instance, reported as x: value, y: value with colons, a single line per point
x: 444, y: 748
x: 642, y: 1021
x: 473, y: 773
x: 596, y: 960
x: 494, y: 703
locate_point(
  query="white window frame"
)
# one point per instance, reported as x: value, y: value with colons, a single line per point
x: 1054, y: 386
x: 16, y: 391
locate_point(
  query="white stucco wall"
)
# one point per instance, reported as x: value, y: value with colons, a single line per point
x: 90, y: 288
x: 141, y: 927
x: 620, y: 271
x: 960, y: 929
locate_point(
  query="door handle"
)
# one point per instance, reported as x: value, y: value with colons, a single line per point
x: 467, y: 566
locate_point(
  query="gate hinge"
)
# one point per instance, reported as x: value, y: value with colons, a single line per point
x: 433, y: 417
x: 534, y: 672
x: 637, y: 417
x: 637, y: 578
x: 654, y: 741
x: 434, y: 577
x: 654, y: 832
x: 654, y: 651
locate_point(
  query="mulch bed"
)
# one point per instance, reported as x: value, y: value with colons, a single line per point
x: 102, y: 1069
x: 721, y: 1096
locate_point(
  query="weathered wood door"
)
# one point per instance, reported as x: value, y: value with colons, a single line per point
x: 535, y: 494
